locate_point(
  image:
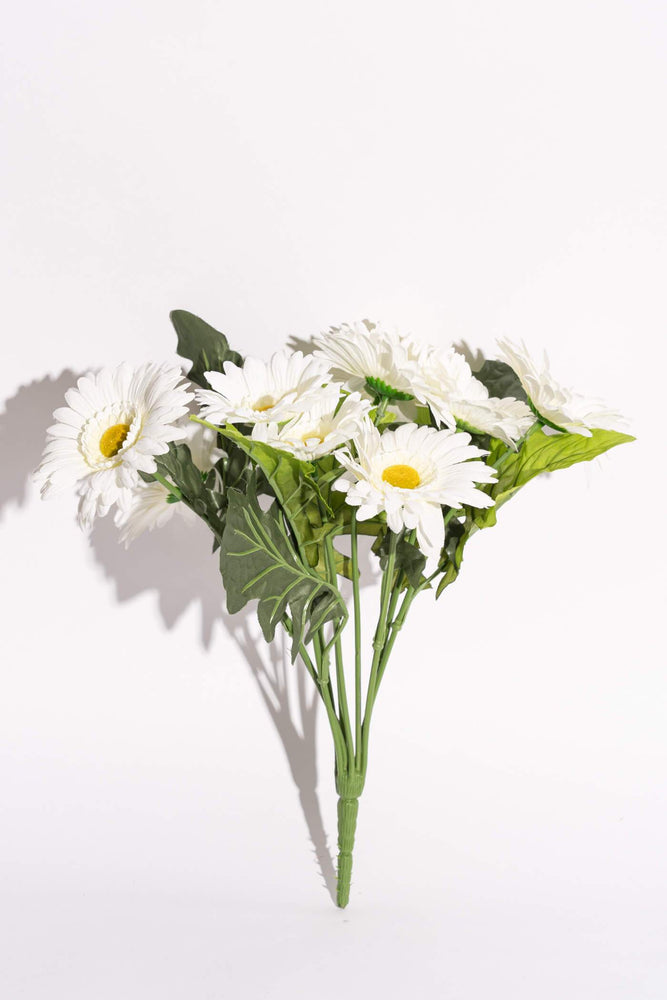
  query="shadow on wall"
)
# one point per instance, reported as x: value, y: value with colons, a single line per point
x: 176, y: 563
x: 22, y: 432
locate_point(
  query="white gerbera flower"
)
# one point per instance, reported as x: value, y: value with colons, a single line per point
x: 325, y: 426
x: 560, y: 408
x: 445, y: 382
x: 273, y: 390
x: 148, y: 505
x: 369, y: 358
x: 115, y: 422
x: 409, y: 473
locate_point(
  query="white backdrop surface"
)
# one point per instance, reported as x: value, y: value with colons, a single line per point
x: 463, y: 171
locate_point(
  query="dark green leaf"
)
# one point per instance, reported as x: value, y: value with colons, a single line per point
x: 178, y: 467
x: 456, y: 537
x: 410, y: 560
x: 201, y: 344
x: 501, y: 380
x: 258, y: 561
x: 197, y: 490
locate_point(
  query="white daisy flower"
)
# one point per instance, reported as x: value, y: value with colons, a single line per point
x: 370, y: 359
x: 115, y: 422
x: 148, y: 506
x: 409, y: 473
x: 325, y: 426
x: 560, y: 408
x: 273, y: 390
x: 445, y: 382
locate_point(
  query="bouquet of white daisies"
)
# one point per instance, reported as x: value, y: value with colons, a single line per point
x: 372, y: 433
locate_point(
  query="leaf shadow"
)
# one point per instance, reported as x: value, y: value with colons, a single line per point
x: 148, y: 567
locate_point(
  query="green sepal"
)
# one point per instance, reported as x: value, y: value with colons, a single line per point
x: 258, y: 562
x: 201, y: 344
x: 544, y: 420
x: 382, y: 390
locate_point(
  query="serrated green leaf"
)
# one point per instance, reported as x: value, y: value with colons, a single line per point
x: 201, y: 344
x: 197, y: 491
x: 501, y: 380
x: 539, y: 453
x: 257, y: 561
x: 177, y: 465
x: 292, y: 482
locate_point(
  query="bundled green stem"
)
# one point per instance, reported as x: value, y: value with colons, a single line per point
x: 351, y: 745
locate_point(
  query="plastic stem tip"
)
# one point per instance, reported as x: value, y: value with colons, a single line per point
x: 348, y: 810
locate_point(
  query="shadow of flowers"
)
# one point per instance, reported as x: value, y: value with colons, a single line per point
x: 148, y: 566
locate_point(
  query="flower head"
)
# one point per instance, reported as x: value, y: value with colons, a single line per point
x: 114, y: 423
x: 409, y: 473
x: 445, y: 382
x: 369, y: 358
x: 326, y: 425
x: 560, y: 408
x: 273, y: 390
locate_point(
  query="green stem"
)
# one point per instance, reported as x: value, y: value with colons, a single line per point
x: 205, y: 423
x: 380, y: 410
x: 394, y: 628
x: 357, y: 635
x: 378, y: 644
x: 324, y: 690
x: 397, y: 624
x: 174, y: 490
x: 340, y: 672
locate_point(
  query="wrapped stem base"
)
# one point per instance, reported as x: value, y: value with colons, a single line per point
x: 349, y: 787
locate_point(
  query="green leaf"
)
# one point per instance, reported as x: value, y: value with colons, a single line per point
x: 423, y: 416
x: 501, y: 380
x: 292, y: 482
x: 200, y: 343
x: 410, y: 560
x: 177, y: 465
x: 258, y: 561
x: 539, y: 453
x: 457, y: 535
x: 197, y: 489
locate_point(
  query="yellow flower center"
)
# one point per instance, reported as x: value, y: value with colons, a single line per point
x: 113, y: 438
x: 403, y: 476
x: 263, y: 404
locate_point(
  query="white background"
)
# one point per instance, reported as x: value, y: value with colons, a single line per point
x: 462, y: 170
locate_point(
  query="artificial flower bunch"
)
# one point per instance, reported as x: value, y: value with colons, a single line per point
x: 372, y: 433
